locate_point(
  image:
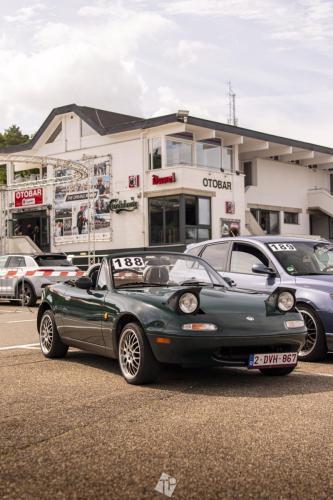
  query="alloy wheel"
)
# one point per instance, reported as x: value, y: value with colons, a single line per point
x: 46, y: 334
x: 129, y: 353
x: 312, y: 334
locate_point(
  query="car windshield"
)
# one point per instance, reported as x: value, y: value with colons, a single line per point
x: 304, y: 258
x: 162, y: 270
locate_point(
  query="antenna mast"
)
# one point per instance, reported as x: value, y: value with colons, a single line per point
x: 232, y: 120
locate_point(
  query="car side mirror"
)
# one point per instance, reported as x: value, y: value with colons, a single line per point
x: 229, y: 281
x: 84, y: 282
x: 262, y: 269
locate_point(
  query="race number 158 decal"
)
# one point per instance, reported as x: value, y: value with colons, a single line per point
x: 127, y: 262
x: 282, y: 247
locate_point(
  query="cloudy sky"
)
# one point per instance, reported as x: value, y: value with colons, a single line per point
x: 151, y: 57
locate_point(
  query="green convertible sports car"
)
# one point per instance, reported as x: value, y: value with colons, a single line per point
x: 151, y: 308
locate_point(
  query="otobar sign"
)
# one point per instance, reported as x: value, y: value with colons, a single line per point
x: 215, y: 183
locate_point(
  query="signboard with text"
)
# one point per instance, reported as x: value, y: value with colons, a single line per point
x: 28, y: 197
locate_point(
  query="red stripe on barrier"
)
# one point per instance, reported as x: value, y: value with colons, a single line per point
x: 41, y: 273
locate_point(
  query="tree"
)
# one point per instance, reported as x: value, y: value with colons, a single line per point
x: 13, y: 136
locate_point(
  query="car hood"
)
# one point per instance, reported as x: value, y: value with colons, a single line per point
x: 212, y: 300
x: 227, y: 307
x: 318, y: 282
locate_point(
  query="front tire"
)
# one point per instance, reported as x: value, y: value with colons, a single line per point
x: 50, y: 342
x: 137, y: 362
x: 315, y: 348
x: 277, y: 372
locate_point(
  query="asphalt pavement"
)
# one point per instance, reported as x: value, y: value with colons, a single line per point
x: 73, y: 428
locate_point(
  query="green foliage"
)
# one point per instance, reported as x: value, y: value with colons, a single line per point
x: 13, y: 136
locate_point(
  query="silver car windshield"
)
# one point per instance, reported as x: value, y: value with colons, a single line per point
x: 162, y: 270
x: 304, y: 258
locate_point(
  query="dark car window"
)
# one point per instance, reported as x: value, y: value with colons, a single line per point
x: 103, y: 281
x: 52, y: 260
x: 195, y: 250
x: 216, y: 255
x: 3, y: 261
x: 15, y: 262
x: 244, y: 256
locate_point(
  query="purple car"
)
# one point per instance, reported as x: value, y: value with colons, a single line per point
x: 267, y: 262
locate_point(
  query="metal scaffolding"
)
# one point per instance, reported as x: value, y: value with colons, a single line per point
x: 78, y: 172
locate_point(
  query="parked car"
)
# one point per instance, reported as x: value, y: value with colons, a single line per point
x: 22, y: 277
x: 266, y: 262
x: 161, y: 307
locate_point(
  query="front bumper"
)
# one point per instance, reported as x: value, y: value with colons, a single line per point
x: 206, y: 349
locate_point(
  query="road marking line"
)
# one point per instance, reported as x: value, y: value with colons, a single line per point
x: 319, y: 374
x: 22, y: 346
x: 17, y: 321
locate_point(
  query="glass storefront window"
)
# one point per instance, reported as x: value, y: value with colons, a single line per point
x: 178, y: 153
x: 155, y: 153
x: 204, y: 211
x: 156, y: 215
x: 171, y: 208
x: 208, y: 155
x: 179, y: 219
x: 227, y: 158
x: 190, y: 211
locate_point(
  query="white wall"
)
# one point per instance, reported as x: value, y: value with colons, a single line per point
x: 129, y: 157
x: 282, y: 184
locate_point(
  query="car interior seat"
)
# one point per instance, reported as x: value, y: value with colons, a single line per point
x: 156, y: 274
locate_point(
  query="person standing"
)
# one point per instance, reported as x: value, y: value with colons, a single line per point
x: 80, y: 220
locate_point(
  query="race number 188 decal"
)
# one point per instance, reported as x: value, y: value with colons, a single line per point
x: 127, y: 262
x: 282, y: 247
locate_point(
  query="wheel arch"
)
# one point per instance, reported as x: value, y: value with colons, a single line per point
x: 41, y: 310
x: 124, y: 319
x: 20, y: 281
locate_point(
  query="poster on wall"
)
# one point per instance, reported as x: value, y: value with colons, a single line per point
x: 230, y: 227
x: 74, y: 201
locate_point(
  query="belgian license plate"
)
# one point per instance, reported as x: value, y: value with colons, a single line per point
x: 272, y: 360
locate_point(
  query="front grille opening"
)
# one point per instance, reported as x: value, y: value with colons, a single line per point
x: 241, y: 354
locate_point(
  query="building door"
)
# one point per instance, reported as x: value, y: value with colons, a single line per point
x: 36, y: 225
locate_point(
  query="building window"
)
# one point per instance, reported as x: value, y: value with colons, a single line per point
x: 3, y: 174
x: 55, y: 134
x: 208, y: 155
x: 197, y: 219
x: 247, y: 169
x: 178, y: 153
x: 268, y: 220
x: 291, y: 217
x: 179, y: 219
x: 227, y: 158
x: 155, y: 153
x: 164, y: 219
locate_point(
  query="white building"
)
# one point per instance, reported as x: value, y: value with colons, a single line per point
x: 169, y: 181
